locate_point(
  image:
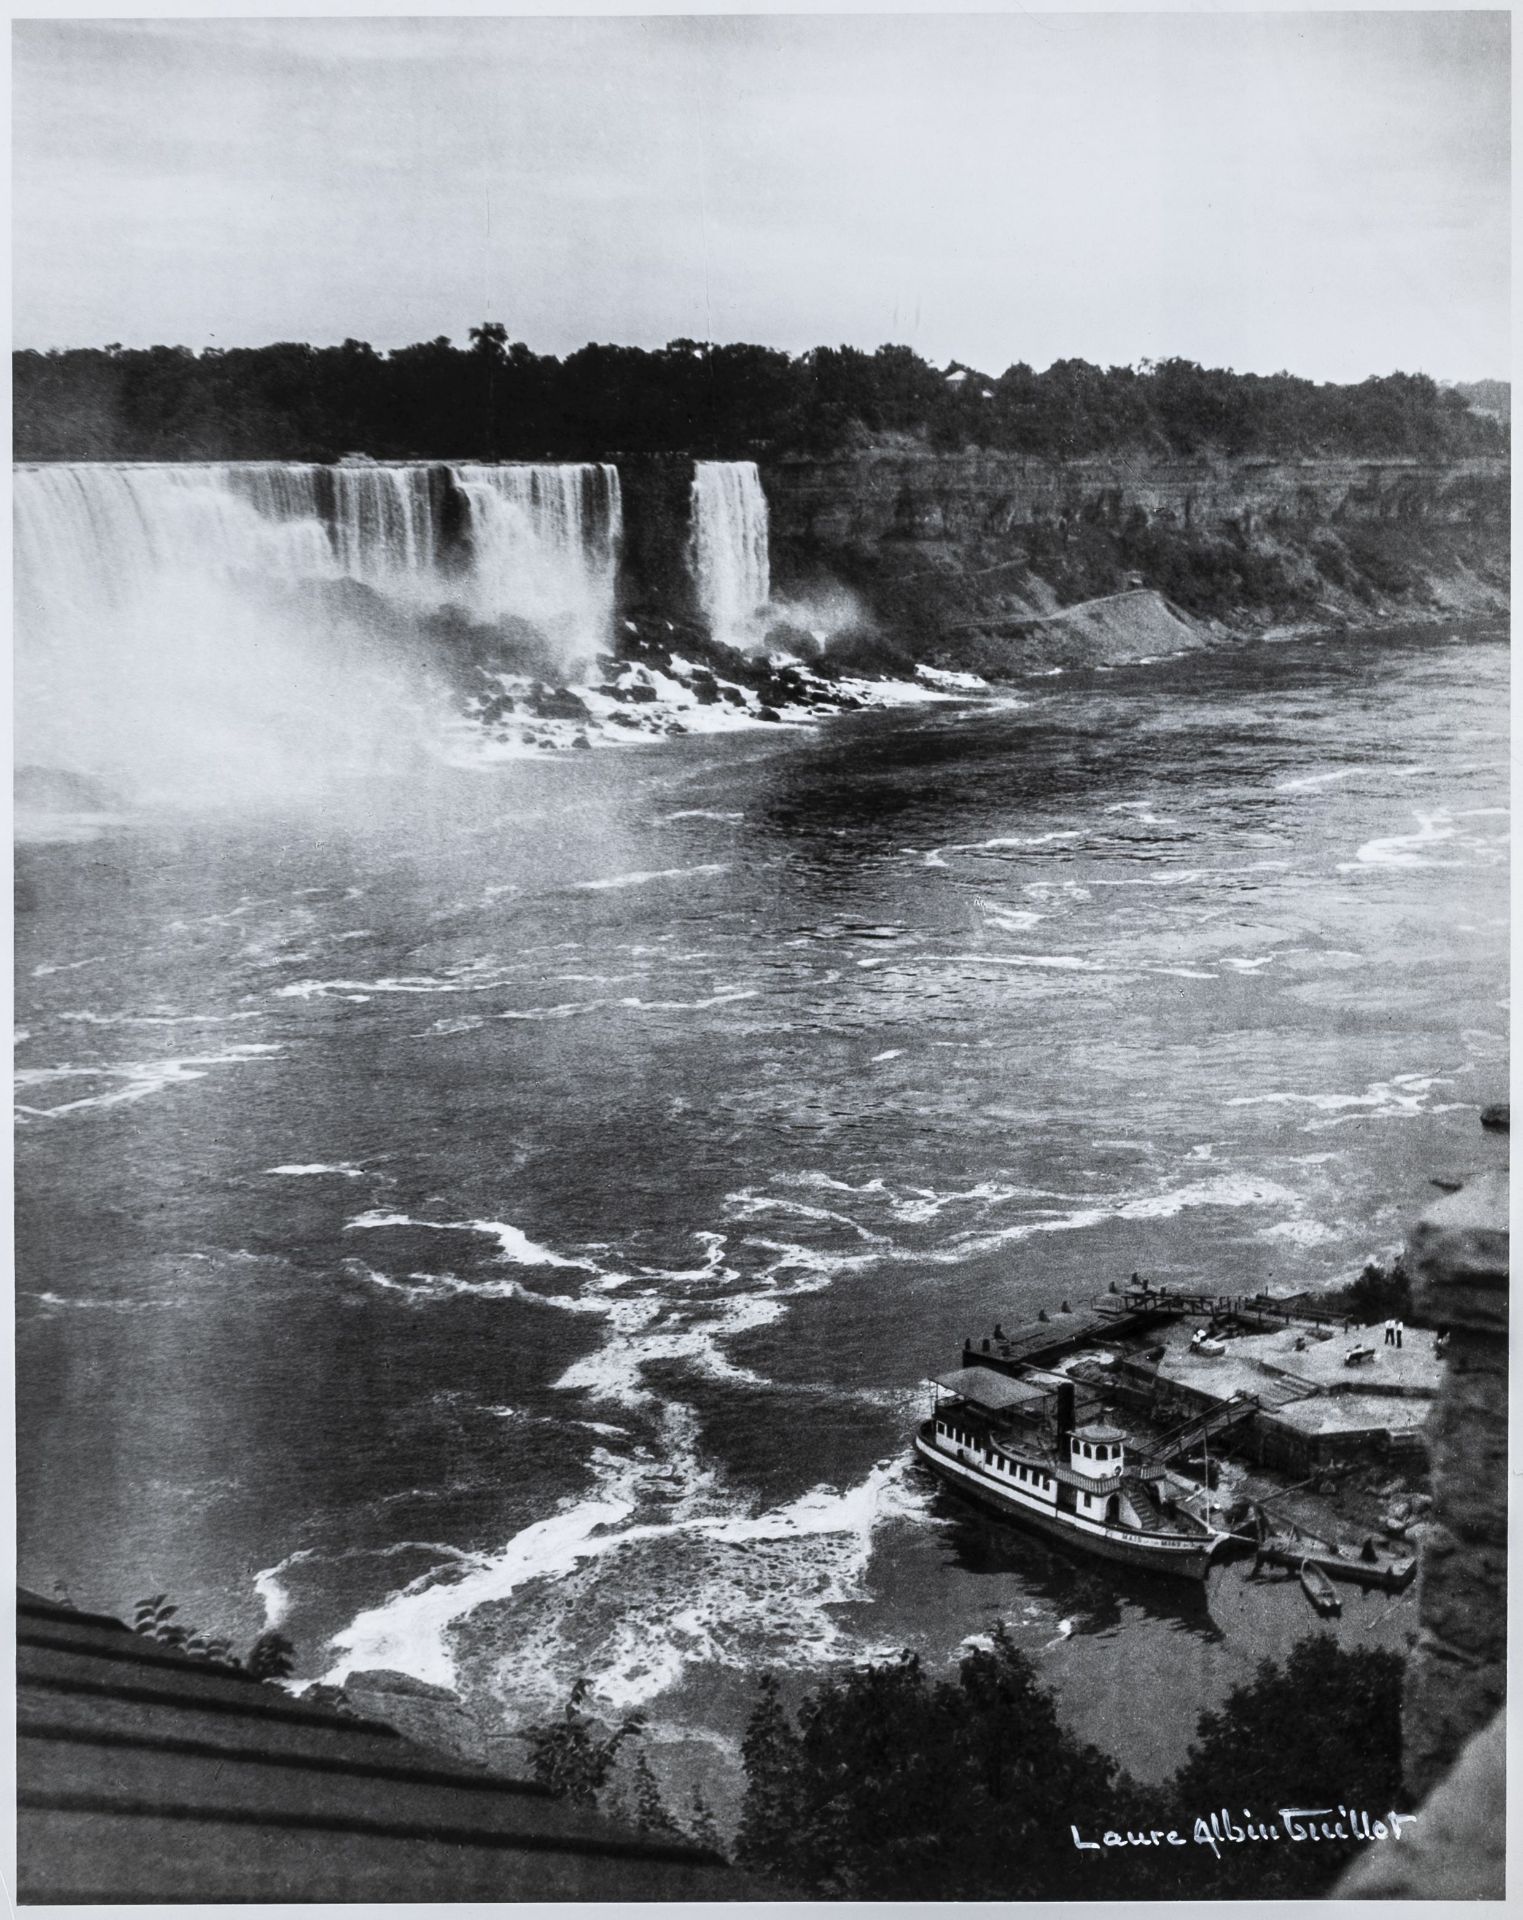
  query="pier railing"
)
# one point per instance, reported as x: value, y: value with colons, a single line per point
x: 1177, y: 1442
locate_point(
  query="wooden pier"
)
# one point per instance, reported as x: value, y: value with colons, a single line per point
x: 1115, y: 1316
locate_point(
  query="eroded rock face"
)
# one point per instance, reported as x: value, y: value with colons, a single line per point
x: 1456, y: 1847
x: 1458, y: 1256
x: 928, y: 496
x: 964, y: 550
x: 1453, y: 1722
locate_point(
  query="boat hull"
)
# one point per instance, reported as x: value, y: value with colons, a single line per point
x: 1165, y: 1554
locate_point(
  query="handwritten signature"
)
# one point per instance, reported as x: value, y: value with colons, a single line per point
x: 1219, y: 1829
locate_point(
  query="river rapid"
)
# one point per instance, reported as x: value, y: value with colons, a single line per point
x: 496, y: 1223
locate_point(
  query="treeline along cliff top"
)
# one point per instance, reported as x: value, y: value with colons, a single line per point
x: 496, y: 399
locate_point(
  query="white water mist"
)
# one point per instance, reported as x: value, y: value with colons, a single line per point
x: 177, y: 634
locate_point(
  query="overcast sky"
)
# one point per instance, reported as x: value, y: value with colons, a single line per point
x: 1323, y: 192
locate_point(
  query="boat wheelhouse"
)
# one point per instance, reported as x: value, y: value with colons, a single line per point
x: 1012, y: 1444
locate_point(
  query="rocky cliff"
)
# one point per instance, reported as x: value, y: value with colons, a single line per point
x: 963, y: 552
x: 1453, y: 1716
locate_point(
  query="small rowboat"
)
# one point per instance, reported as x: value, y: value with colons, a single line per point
x: 1319, y: 1589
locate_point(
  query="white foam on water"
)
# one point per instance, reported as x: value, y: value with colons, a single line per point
x: 1003, y: 842
x: 892, y: 1053
x: 945, y: 677
x: 691, y: 1006
x: 139, y: 1078
x: 698, y: 813
x: 645, y: 879
x: 892, y: 693
x: 480, y: 975
x: 816, y: 1179
x: 422, y: 1289
x: 1143, y: 810
x: 1405, y: 1096
x: 1300, y: 1233
x: 702, y: 1586
x: 270, y: 1585
x: 1313, y: 780
x: 88, y: 1017
x: 1066, y: 962
x: 561, y: 1010
x: 926, y: 1204
x: 1406, y: 849
x: 1196, y: 876
x: 647, y: 1327
x: 1226, y: 1190
x: 1007, y: 919
x: 512, y: 1244
x: 748, y: 1205
x: 272, y: 1590
x: 345, y: 1168
x: 50, y: 1299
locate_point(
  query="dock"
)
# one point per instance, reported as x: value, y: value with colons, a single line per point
x: 1279, y: 1391
x: 1132, y: 1310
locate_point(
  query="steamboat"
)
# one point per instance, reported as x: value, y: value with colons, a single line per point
x: 1012, y: 1444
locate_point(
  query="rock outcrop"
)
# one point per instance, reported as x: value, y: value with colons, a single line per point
x: 1453, y: 1728
x: 882, y: 495
x: 1458, y: 1256
x: 965, y: 554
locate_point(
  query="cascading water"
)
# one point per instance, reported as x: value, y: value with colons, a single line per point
x: 544, y: 545
x: 730, y: 562
x: 176, y: 625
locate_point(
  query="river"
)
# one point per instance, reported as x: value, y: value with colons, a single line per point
x: 497, y: 1222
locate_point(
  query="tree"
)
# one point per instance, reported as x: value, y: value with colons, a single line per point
x: 702, y: 1828
x: 893, y: 1787
x: 573, y: 1756
x: 651, y: 1812
x: 272, y: 1657
x: 1382, y: 1293
x: 1324, y: 1730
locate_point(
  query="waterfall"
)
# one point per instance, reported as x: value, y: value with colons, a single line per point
x: 176, y: 614
x: 729, y: 549
x: 544, y: 544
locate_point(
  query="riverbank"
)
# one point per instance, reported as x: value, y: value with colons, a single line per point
x: 980, y: 559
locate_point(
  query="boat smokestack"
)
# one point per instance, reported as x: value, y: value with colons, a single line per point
x: 1065, y: 1409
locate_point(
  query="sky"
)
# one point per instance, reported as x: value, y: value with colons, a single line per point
x: 1323, y: 192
